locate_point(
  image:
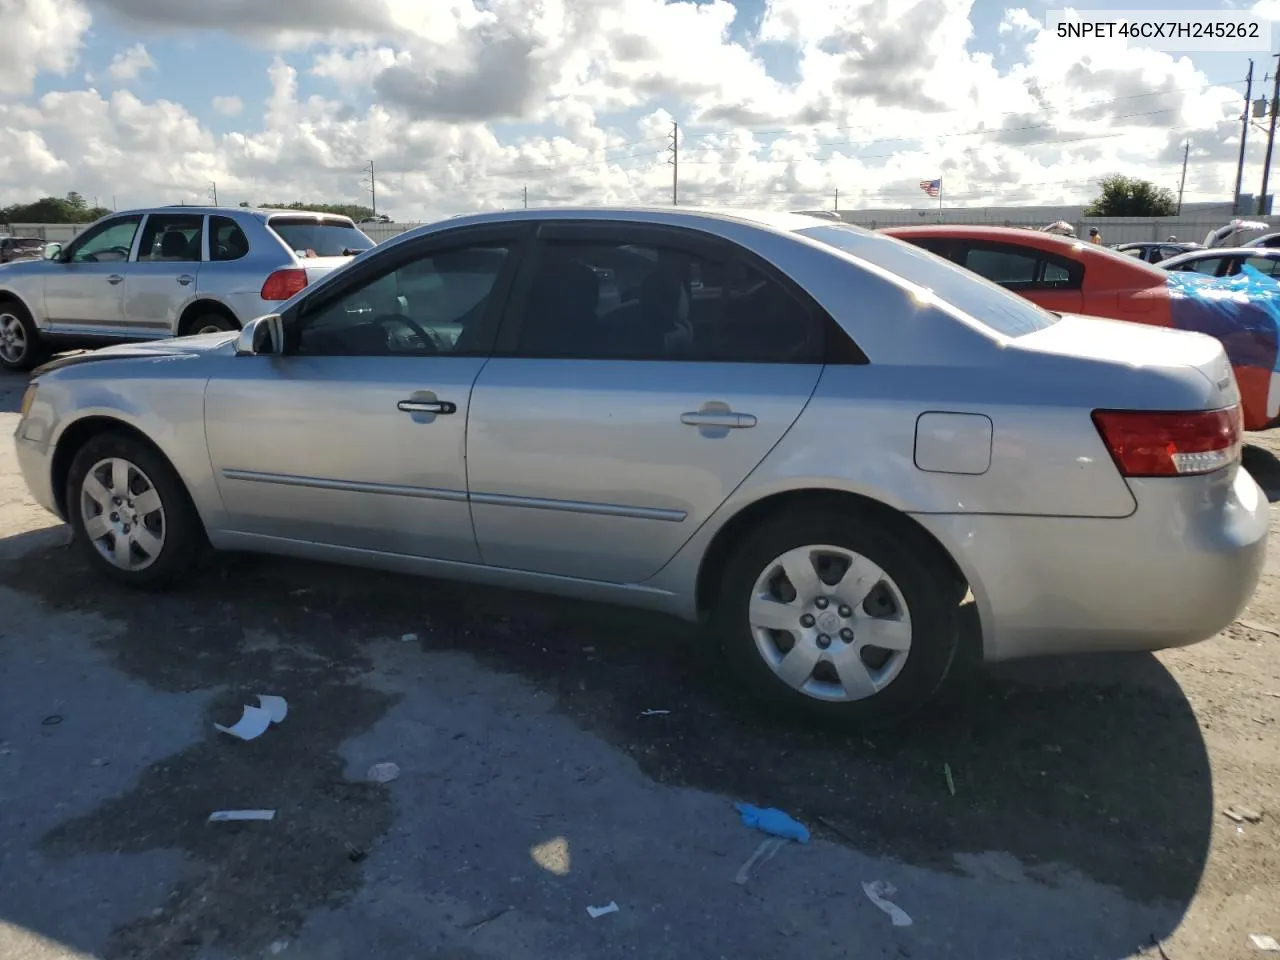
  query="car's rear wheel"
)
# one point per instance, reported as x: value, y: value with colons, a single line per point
x: 20, y: 345
x: 850, y: 615
x: 211, y: 323
x: 130, y: 512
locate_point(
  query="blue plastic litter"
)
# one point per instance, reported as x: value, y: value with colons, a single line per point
x: 773, y: 822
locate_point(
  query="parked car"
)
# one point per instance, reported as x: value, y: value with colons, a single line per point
x: 1154, y: 252
x: 822, y: 451
x: 148, y: 274
x: 20, y: 248
x: 1226, y: 263
x: 1266, y: 240
x: 1071, y: 276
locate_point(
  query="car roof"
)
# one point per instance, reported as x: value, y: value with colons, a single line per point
x: 708, y: 218
x: 260, y: 212
x: 1208, y: 252
x: 1038, y: 238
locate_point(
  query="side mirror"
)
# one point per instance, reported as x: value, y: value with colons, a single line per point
x: 52, y: 251
x: 261, y: 336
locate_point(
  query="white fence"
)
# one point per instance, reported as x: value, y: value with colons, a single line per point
x: 1113, y: 229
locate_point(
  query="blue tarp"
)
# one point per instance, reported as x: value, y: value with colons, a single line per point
x: 1242, y: 311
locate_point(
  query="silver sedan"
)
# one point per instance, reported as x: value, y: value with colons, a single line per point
x: 820, y: 439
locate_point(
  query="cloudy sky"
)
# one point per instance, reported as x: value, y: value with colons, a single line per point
x: 465, y: 104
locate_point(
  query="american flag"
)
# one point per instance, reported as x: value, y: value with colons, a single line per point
x: 931, y: 187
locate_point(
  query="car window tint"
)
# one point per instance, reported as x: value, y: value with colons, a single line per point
x: 109, y: 243
x: 226, y: 240
x: 1002, y: 266
x: 309, y: 237
x: 1056, y: 274
x: 1209, y: 265
x: 986, y: 303
x: 170, y: 238
x: 622, y: 301
x: 1135, y: 252
x: 424, y: 307
x: 1264, y: 265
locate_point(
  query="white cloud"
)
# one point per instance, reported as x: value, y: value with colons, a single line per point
x: 228, y: 106
x: 36, y: 36
x: 127, y: 65
x: 885, y: 92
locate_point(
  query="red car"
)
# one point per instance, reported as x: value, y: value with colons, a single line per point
x: 1073, y: 276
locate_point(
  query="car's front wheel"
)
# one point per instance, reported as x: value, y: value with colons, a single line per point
x: 20, y: 345
x: 839, y: 614
x: 130, y: 512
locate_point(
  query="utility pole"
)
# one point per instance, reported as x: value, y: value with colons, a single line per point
x: 526, y: 196
x: 213, y: 191
x: 373, y: 189
x: 1186, y: 152
x: 836, y: 203
x: 1244, y: 136
x: 675, y: 163
x: 1271, y: 138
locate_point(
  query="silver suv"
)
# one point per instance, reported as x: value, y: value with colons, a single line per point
x: 172, y: 271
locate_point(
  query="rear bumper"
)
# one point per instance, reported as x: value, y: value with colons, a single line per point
x: 1178, y: 570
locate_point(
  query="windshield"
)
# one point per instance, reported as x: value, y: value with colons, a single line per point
x: 989, y: 304
x: 309, y: 237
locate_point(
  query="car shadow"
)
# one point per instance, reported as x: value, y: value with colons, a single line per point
x: 1264, y: 467
x: 1092, y: 766
x: 12, y: 386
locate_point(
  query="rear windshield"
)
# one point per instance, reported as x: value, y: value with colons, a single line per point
x: 989, y: 304
x: 25, y: 243
x: 309, y: 237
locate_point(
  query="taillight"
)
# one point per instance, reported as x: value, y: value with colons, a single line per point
x: 283, y: 284
x: 1147, y: 444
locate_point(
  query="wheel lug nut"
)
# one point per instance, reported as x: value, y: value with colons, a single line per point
x: 824, y: 641
x: 821, y: 603
x: 846, y: 611
x: 807, y: 621
x: 846, y: 635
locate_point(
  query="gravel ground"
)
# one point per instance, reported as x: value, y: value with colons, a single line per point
x: 1086, y: 821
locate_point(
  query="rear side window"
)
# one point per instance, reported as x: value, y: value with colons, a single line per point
x: 993, y: 306
x: 1023, y: 268
x: 171, y: 238
x: 311, y: 237
x: 226, y: 240
x: 1005, y: 267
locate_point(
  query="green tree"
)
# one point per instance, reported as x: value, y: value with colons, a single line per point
x: 1123, y: 196
x: 353, y: 210
x: 69, y: 209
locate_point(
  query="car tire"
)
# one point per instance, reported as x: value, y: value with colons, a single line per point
x: 146, y: 507
x: 211, y: 323
x: 837, y: 672
x: 21, y: 346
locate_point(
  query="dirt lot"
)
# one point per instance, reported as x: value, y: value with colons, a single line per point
x: 1087, y: 817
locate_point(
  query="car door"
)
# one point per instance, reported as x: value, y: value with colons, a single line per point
x: 1052, y: 282
x: 355, y: 436
x: 161, y: 280
x: 84, y: 290
x: 623, y: 404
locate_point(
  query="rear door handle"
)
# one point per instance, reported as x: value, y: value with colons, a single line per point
x: 726, y: 419
x: 114, y: 279
x: 427, y: 406
x: 186, y: 279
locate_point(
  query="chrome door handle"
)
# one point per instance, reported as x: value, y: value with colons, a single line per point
x: 186, y: 279
x: 427, y: 406
x: 114, y: 279
x: 726, y: 419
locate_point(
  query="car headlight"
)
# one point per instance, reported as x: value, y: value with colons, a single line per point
x: 28, y: 399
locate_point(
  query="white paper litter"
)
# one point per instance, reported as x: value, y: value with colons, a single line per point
x: 278, y: 707
x: 254, y: 721
x: 879, y: 892
x: 409, y: 638
x: 764, y: 853
x: 383, y: 772
x: 1264, y: 942
x: 595, y: 912
x: 224, y: 816
x: 654, y: 713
